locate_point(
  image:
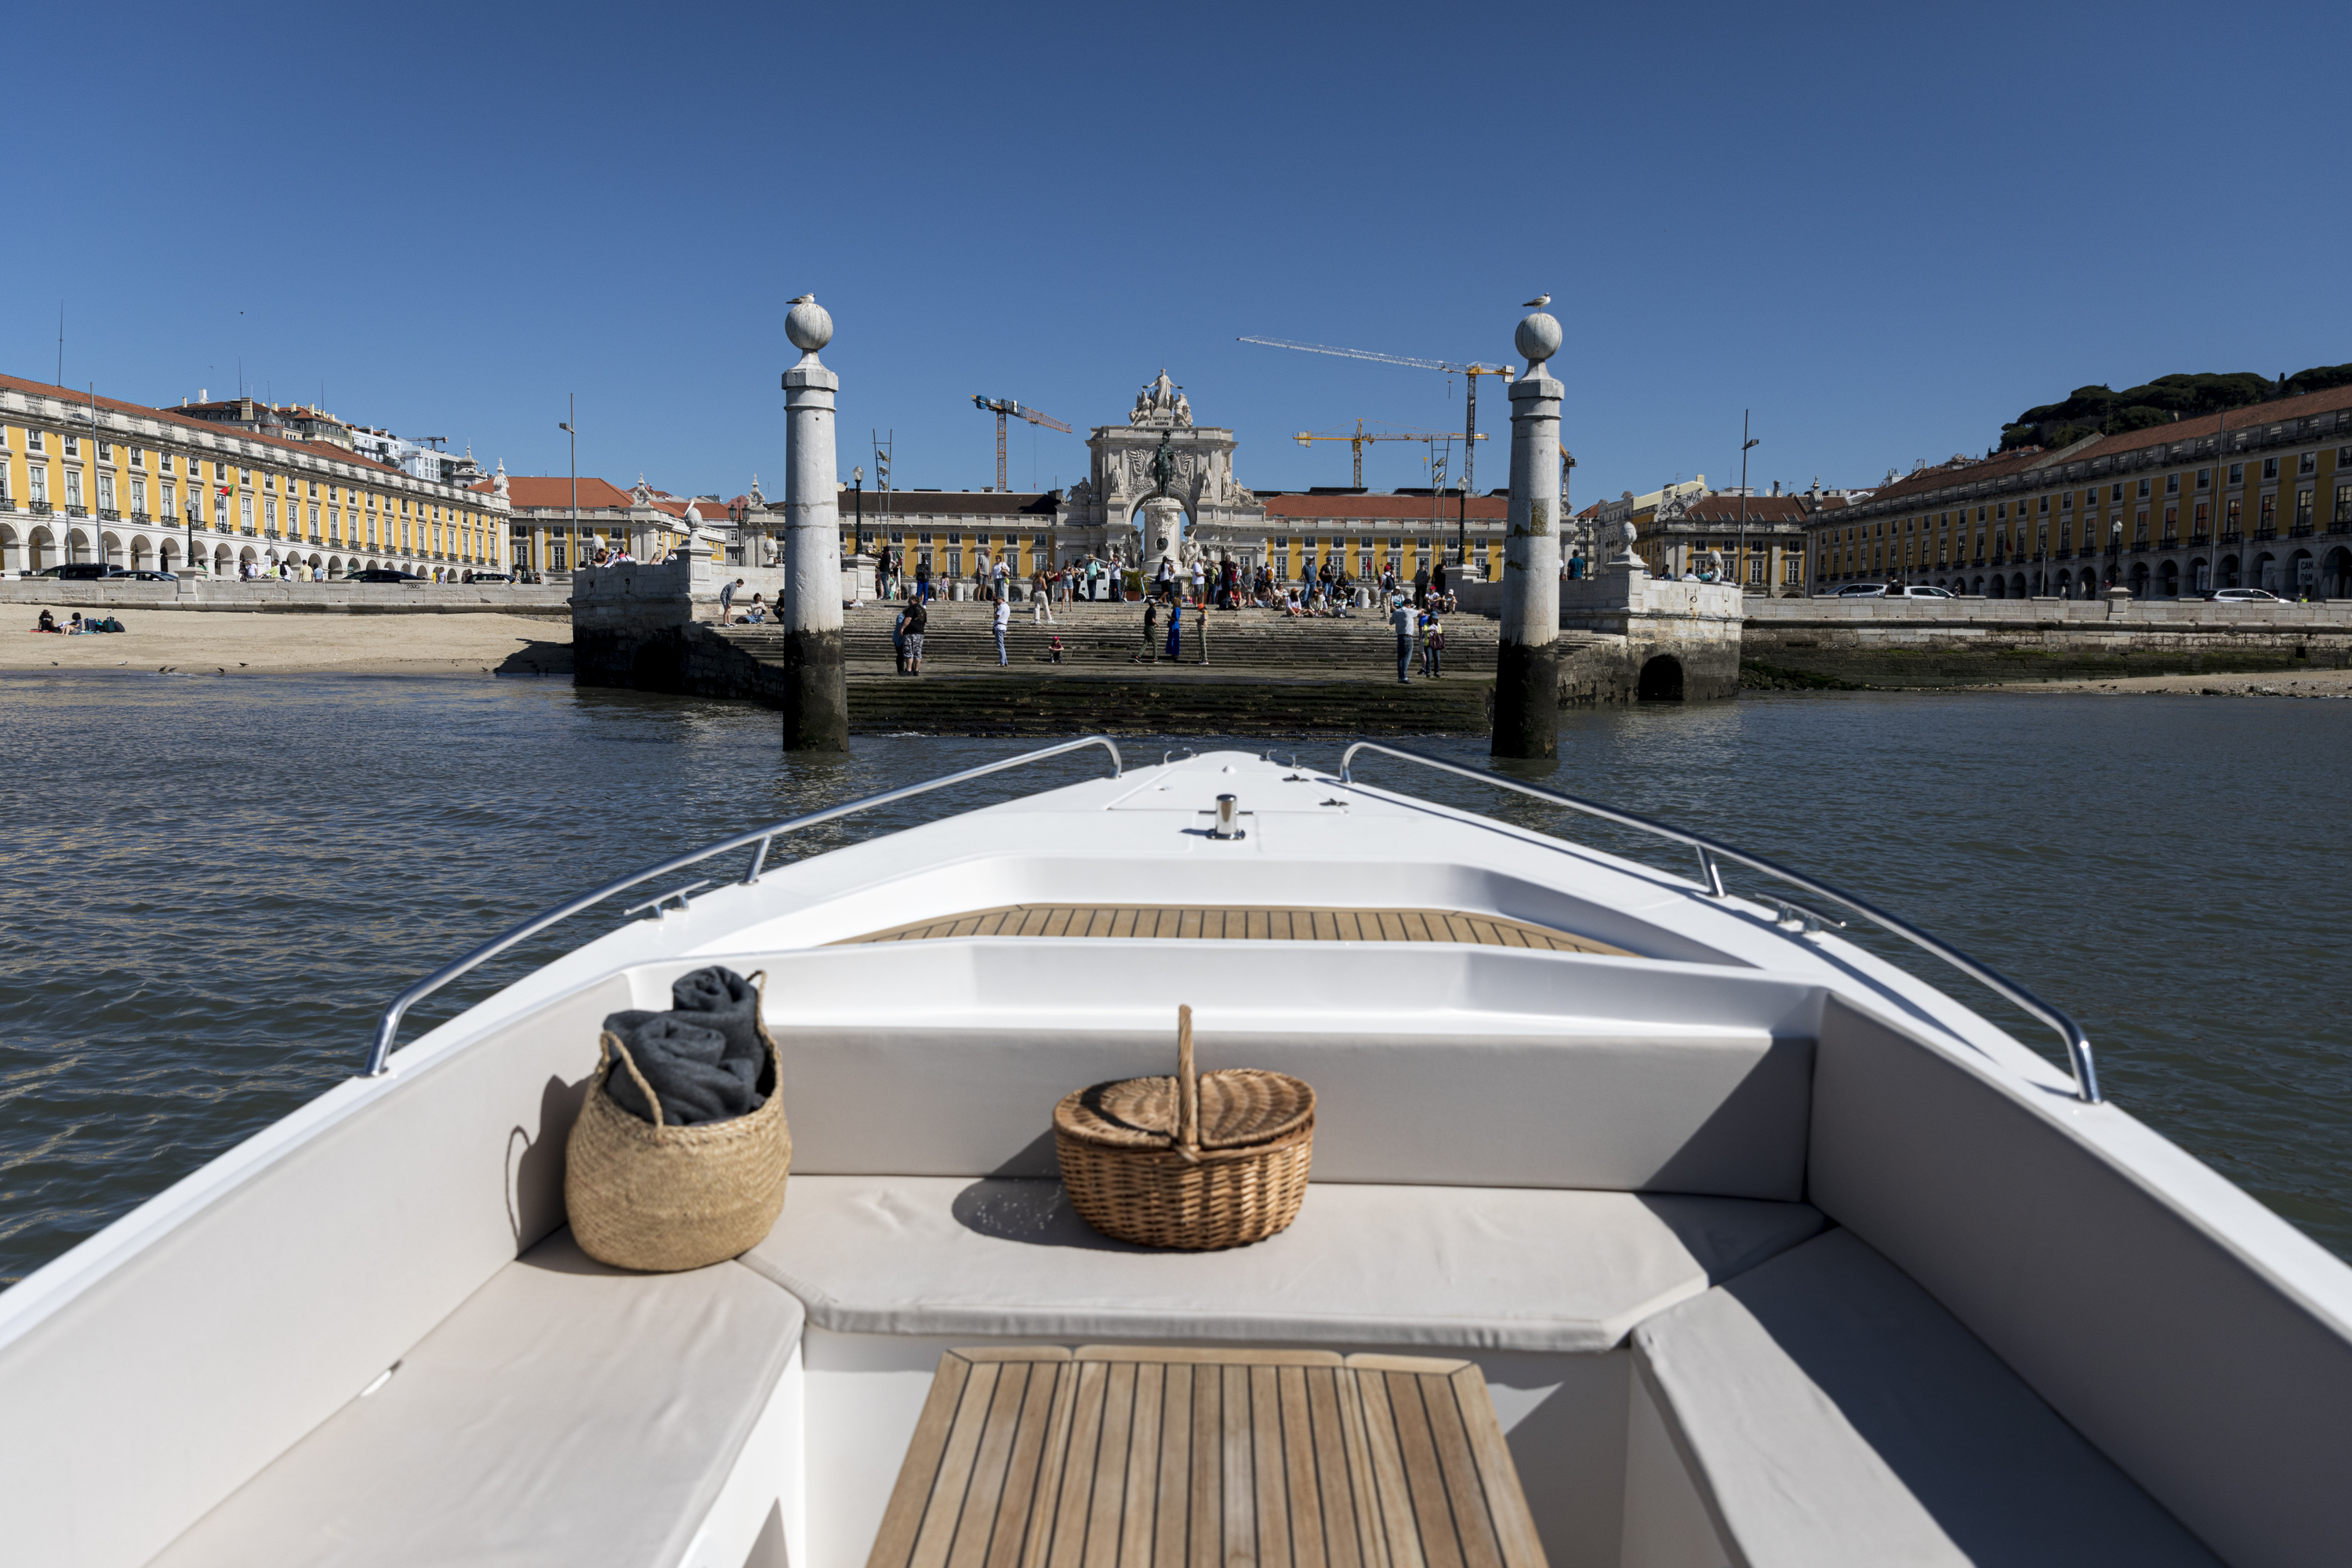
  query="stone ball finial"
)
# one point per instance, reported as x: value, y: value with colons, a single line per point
x: 808, y: 324
x: 1538, y: 339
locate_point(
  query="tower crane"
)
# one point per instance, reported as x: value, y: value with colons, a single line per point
x: 1361, y: 436
x: 1470, y: 373
x: 1001, y: 406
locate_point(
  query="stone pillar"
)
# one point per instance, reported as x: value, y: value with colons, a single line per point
x: 817, y: 687
x: 1527, y: 665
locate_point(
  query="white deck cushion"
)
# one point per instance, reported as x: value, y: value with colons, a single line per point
x: 1833, y: 1414
x: 1486, y: 1268
x: 566, y: 1414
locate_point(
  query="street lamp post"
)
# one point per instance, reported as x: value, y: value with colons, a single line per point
x: 1741, y: 553
x: 571, y: 408
x: 857, y: 499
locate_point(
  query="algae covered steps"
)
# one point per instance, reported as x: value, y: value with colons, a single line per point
x: 1172, y: 703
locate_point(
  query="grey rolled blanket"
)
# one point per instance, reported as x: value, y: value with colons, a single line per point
x: 703, y: 1056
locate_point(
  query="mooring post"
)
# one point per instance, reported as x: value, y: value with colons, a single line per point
x: 817, y: 687
x: 1527, y: 665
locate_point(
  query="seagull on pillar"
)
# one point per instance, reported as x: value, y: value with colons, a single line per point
x: 1538, y: 302
x: 805, y: 299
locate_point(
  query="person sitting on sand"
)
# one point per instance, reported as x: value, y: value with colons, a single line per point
x: 49, y: 622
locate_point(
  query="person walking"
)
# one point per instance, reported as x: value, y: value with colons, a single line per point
x: 1150, y: 654
x: 898, y: 638
x: 923, y: 578
x: 998, y: 578
x: 1421, y: 585
x: 1437, y: 578
x: 1401, y: 620
x: 1433, y: 642
x: 1175, y: 633
x: 1003, y: 619
x: 918, y: 618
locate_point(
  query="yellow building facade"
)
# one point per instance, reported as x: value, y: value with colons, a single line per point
x: 86, y: 480
x: 2256, y: 498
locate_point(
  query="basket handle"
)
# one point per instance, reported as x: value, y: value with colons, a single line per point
x: 1188, y: 1089
x: 611, y: 1046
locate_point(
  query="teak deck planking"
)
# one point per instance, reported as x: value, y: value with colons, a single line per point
x: 1143, y: 1458
x: 1210, y: 923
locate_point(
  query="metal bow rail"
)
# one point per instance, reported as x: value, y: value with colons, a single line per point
x: 387, y: 1028
x: 1711, y: 851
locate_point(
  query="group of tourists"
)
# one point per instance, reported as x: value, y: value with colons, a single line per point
x: 78, y: 627
x: 754, y: 615
x: 1417, y: 629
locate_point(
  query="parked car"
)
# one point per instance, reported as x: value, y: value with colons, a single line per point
x: 489, y: 577
x: 143, y: 575
x: 383, y: 574
x: 1921, y: 591
x: 2243, y: 596
x: 1861, y: 590
x: 76, y: 572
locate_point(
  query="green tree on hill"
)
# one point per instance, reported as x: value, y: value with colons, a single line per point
x: 2102, y: 411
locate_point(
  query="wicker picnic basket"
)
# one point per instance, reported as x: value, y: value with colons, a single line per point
x: 1199, y: 1160
x: 646, y: 1196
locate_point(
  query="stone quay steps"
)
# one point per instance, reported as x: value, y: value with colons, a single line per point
x: 960, y: 635
x: 1179, y: 702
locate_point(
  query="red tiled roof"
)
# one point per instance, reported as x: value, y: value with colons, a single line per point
x: 554, y: 492
x: 1380, y: 508
x: 1928, y: 480
x: 2258, y: 415
x: 1760, y: 509
x: 2253, y: 416
x: 139, y: 410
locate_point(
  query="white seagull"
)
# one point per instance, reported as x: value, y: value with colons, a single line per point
x: 811, y: 300
x: 1538, y: 302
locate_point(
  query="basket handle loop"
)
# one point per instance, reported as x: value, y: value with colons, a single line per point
x: 1188, y: 1089
x: 610, y: 1043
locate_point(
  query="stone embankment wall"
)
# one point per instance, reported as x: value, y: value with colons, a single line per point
x: 1627, y: 637
x: 1800, y: 643
x: 549, y: 601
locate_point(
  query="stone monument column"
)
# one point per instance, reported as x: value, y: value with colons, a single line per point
x: 816, y: 686
x: 1527, y: 666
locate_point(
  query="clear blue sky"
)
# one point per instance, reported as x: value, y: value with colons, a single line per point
x: 1886, y: 229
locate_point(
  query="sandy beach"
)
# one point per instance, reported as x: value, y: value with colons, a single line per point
x: 2302, y: 683
x: 229, y: 643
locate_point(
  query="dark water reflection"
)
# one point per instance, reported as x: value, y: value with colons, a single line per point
x: 213, y: 886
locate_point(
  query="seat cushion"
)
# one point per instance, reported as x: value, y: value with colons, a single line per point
x: 1463, y: 1267
x: 567, y: 1413
x: 1833, y: 1413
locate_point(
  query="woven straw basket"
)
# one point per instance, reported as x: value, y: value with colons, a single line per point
x: 1199, y: 1160
x: 660, y: 1198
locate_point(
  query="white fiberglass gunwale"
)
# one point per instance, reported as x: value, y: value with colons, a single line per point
x: 1675, y: 909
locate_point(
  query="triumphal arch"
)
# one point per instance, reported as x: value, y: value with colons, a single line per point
x: 1171, y: 478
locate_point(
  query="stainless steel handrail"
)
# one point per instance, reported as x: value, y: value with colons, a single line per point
x: 1710, y: 850
x: 387, y: 1028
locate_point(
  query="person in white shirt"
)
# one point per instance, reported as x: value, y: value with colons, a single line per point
x: 1003, y: 620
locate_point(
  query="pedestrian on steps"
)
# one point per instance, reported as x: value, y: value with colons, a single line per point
x: 898, y: 636
x: 1175, y: 633
x: 1004, y: 621
x: 1401, y: 619
x: 1150, y: 654
x: 918, y: 618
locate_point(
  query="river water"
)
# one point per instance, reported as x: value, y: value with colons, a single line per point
x: 213, y: 886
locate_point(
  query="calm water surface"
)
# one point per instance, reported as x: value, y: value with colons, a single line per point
x: 213, y: 885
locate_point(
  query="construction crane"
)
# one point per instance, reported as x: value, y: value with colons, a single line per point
x: 1470, y: 373
x: 1361, y: 436
x: 1001, y: 406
